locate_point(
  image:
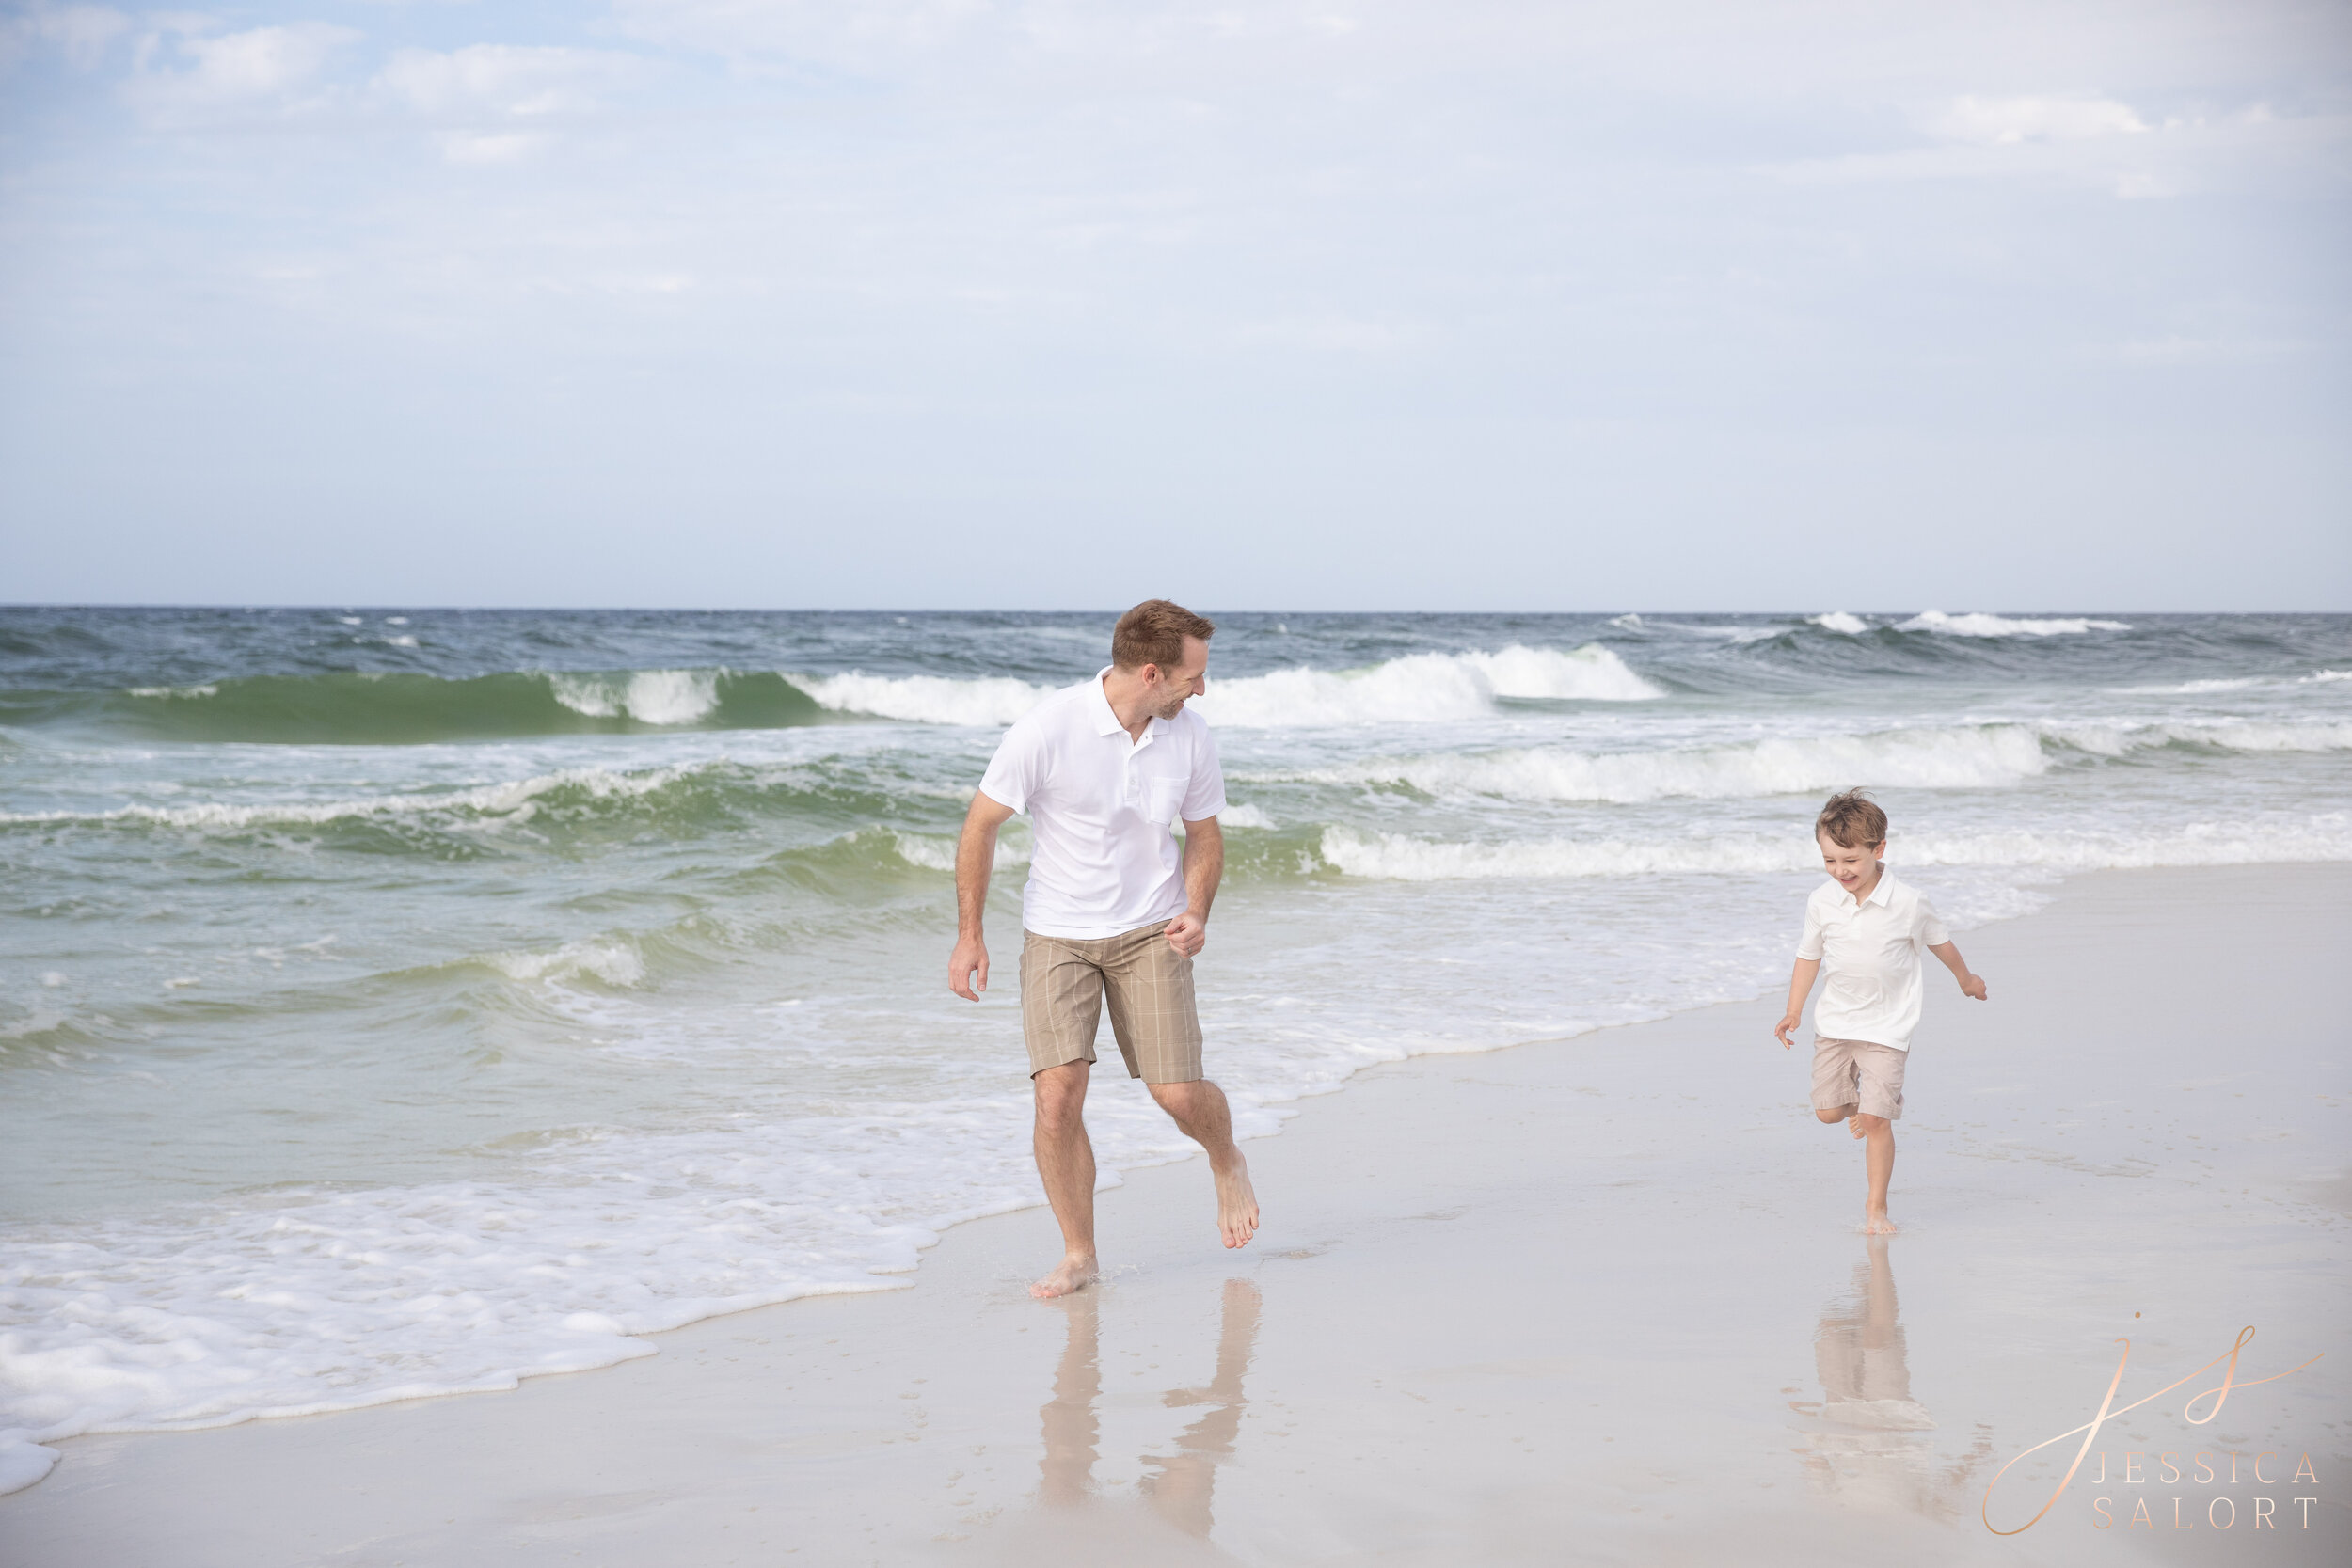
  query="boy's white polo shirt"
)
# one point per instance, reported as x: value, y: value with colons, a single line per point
x: 1103, y: 810
x: 1869, y: 954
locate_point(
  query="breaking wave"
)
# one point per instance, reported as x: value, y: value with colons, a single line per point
x: 1996, y: 625
x: 1418, y: 688
x: 927, y: 699
x: 1424, y: 688
x: 1962, y: 758
x: 351, y: 708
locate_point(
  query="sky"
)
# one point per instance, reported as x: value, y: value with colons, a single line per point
x: 1459, y: 305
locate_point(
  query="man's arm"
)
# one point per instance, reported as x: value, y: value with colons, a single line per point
x: 1204, y: 868
x: 1800, y: 986
x: 976, y: 857
x: 1970, y: 984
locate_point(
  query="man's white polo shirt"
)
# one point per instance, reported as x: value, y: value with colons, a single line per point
x: 1870, y: 960
x: 1103, y: 810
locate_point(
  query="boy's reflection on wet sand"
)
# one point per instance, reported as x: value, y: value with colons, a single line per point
x: 1861, y: 1447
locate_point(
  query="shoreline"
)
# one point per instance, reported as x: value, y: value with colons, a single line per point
x: 642, y: 1343
x: 1347, y: 1226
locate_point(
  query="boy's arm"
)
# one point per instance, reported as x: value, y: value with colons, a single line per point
x: 1800, y: 986
x: 1970, y: 984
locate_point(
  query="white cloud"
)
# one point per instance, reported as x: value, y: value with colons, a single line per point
x: 2004, y: 121
x: 809, y: 29
x: 1333, y: 334
x: 257, y: 68
x: 81, y: 33
x: 502, y: 81
x: 471, y: 147
x: 2090, y: 143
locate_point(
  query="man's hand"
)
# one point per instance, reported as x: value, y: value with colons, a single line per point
x: 975, y: 855
x: 1971, y: 984
x: 971, y: 954
x: 1188, y: 933
x: 1781, y: 1030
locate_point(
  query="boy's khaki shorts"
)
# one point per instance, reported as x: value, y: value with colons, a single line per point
x: 1064, y: 980
x: 1866, y: 1076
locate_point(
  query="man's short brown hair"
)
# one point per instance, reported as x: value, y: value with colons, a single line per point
x: 1153, y: 633
x: 1851, y: 820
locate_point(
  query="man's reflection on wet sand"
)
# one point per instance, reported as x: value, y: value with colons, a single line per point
x: 1178, y: 1486
x: 1069, y: 1420
x: 1861, y: 1444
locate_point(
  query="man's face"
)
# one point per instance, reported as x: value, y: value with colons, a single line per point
x: 1850, y: 865
x: 1167, y: 691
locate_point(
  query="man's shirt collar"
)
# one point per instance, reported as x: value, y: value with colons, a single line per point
x: 1106, y: 717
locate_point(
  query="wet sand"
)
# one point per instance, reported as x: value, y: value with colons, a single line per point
x: 1599, y: 1300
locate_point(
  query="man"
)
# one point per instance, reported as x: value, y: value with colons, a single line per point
x: 1104, y: 769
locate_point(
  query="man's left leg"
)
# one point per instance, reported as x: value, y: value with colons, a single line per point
x: 1148, y: 987
x: 1201, y: 1115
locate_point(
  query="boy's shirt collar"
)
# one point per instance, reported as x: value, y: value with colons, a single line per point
x: 1881, y: 894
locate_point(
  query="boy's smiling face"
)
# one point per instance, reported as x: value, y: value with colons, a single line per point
x: 1853, y: 867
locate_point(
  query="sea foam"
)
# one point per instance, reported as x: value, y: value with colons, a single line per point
x: 1418, y: 688
x: 926, y: 699
x: 649, y: 696
x: 2003, y: 626
x: 1423, y: 688
x: 1398, y: 857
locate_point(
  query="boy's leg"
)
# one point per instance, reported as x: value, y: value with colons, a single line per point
x: 1879, y: 1160
x: 1878, y: 1079
x: 1835, y: 1088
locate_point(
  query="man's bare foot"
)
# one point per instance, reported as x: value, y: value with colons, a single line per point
x: 1076, y: 1273
x: 1875, y: 1223
x: 1236, y: 1204
x: 1853, y: 1125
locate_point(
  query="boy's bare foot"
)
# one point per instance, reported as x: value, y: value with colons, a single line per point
x: 1236, y: 1204
x: 1853, y: 1125
x: 1875, y: 1223
x: 1076, y: 1273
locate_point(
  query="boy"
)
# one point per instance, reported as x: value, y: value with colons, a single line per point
x: 1869, y: 928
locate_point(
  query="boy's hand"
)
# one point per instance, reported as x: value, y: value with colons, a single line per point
x: 1971, y: 984
x: 1780, y: 1031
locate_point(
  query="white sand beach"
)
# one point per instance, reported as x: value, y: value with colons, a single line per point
x: 1599, y: 1300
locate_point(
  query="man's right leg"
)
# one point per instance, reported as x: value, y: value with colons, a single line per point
x: 1065, y: 1159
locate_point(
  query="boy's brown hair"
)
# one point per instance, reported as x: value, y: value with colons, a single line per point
x: 1851, y: 820
x: 1153, y: 633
